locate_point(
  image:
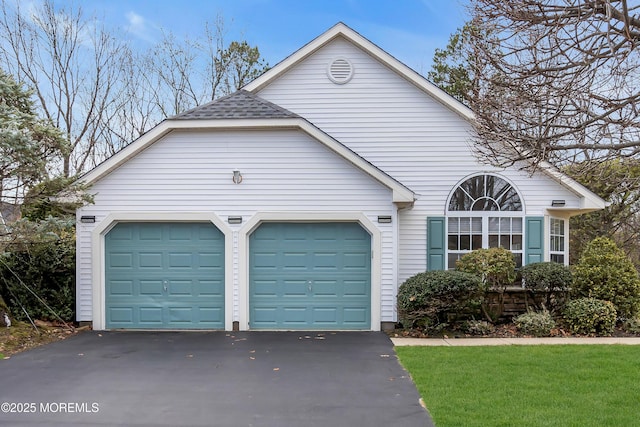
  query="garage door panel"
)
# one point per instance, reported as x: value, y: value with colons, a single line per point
x: 294, y: 261
x: 326, y: 261
x: 265, y: 288
x: 151, y: 287
x: 355, y: 315
x: 264, y: 260
x: 357, y: 261
x: 210, y: 260
x: 121, y: 288
x: 266, y: 316
x: 304, y: 276
x: 180, y: 288
x: 211, y: 288
x: 181, y: 260
x: 294, y: 315
x: 149, y: 232
x: 120, y: 260
x: 356, y: 288
x: 293, y: 288
x: 150, y: 315
x: 325, y: 288
x: 325, y: 316
x: 150, y: 259
x: 171, y: 275
x: 211, y: 315
x: 121, y: 315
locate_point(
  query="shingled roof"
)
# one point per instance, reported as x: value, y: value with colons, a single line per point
x: 238, y: 105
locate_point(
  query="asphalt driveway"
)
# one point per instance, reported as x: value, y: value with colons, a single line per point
x: 211, y: 379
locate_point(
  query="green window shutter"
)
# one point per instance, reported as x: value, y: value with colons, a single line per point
x: 534, y: 249
x: 436, y: 238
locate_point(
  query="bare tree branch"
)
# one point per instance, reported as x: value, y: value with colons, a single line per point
x: 555, y: 80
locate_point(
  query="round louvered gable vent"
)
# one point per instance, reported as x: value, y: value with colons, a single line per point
x: 340, y: 71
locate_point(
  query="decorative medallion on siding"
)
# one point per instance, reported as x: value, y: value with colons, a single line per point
x: 340, y: 71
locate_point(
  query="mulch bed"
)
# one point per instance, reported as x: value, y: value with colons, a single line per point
x: 507, y: 330
x: 23, y: 336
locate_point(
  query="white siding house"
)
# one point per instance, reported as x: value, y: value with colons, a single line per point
x: 304, y: 200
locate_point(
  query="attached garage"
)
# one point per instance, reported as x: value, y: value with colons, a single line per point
x: 164, y: 275
x: 310, y: 276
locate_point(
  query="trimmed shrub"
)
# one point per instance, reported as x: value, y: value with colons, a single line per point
x: 605, y: 272
x: 588, y: 316
x: 426, y: 299
x: 549, y: 278
x: 495, y: 266
x: 536, y: 324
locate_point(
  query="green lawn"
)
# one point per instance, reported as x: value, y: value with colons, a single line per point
x: 572, y: 385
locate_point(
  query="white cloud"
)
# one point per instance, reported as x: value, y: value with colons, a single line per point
x: 140, y: 27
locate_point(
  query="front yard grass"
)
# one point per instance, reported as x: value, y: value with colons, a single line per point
x: 572, y: 385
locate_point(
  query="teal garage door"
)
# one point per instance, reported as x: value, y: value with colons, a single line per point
x: 164, y: 276
x: 310, y: 276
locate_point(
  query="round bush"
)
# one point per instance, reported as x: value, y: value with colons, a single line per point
x: 550, y: 278
x: 605, y: 272
x: 589, y: 316
x: 495, y: 266
x: 546, y: 276
x: 428, y: 297
x: 536, y: 324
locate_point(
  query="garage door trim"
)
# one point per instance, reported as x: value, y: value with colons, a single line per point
x: 98, y: 256
x: 360, y: 218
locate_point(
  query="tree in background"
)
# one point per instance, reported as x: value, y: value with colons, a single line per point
x: 451, y: 71
x: 557, y: 81
x: 36, y: 257
x: 101, y: 93
x: 617, y: 181
x: 28, y: 144
x: 556, y: 96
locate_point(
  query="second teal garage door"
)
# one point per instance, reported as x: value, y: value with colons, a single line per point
x: 314, y: 276
x: 164, y: 276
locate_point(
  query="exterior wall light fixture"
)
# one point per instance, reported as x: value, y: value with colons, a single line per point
x: 234, y: 220
x: 237, y: 177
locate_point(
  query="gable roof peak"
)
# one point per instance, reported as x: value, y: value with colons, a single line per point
x: 343, y: 30
x: 237, y: 105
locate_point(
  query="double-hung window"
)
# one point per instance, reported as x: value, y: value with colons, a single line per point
x: 556, y: 240
x: 484, y: 211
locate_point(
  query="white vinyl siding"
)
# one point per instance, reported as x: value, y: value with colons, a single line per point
x: 403, y: 131
x: 283, y: 171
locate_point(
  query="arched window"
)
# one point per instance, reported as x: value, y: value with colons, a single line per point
x: 484, y: 211
x: 485, y: 193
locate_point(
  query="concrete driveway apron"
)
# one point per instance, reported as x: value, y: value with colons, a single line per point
x: 211, y: 379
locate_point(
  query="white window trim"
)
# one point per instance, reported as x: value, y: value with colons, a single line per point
x: 485, y: 216
x: 565, y: 249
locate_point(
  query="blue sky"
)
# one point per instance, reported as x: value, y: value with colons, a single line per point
x: 410, y: 30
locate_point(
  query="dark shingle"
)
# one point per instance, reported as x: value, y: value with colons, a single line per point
x: 238, y: 105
